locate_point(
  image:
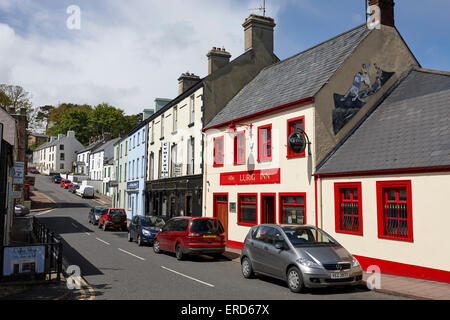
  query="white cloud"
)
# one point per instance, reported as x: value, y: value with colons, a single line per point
x: 124, y: 54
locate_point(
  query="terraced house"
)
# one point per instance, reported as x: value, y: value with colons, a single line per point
x: 301, y: 144
x: 175, y: 145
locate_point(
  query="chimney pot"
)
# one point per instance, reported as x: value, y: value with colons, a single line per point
x: 185, y: 81
x: 387, y: 11
x: 217, y: 58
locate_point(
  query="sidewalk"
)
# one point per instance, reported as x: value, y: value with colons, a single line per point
x: 35, y: 291
x: 103, y: 200
x: 41, y: 202
x: 394, y: 285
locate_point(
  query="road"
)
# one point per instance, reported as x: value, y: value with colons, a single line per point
x: 118, y: 269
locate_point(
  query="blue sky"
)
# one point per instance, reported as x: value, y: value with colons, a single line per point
x: 129, y: 53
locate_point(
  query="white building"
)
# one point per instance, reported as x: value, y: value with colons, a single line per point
x: 57, y: 155
x: 98, y: 157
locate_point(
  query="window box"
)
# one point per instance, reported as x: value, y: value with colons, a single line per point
x: 348, y: 208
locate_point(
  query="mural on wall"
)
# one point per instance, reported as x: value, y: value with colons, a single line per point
x: 346, y: 106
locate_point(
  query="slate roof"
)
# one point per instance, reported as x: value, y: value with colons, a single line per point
x: 293, y: 79
x: 409, y: 129
x: 106, y: 145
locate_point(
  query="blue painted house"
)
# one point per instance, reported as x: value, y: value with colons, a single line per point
x: 137, y: 169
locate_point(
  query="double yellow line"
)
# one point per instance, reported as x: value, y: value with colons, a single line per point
x: 83, y: 291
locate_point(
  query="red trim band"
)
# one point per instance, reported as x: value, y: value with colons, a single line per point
x: 386, y: 171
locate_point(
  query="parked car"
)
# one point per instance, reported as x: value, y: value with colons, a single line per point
x: 85, y: 191
x: 65, y: 183
x: 33, y: 170
x: 189, y: 235
x: 56, y: 178
x: 301, y: 255
x: 144, y: 229
x: 95, y: 213
x: 20, y: 210
x: 113, y: 218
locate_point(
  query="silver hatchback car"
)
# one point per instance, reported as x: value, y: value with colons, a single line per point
x: 301, y: 255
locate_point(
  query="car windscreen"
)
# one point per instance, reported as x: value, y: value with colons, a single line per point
x: 207, y: 226
x: 100, y: 210
x: 116, y: 212
x: 306, y: 236
x: 152, y: 222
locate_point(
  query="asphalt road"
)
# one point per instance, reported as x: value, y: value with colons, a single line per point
x: 117, y: 269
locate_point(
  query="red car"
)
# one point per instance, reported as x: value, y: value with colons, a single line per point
x: 189, y: 235
x: 65, y: 183
x: 113, y: 218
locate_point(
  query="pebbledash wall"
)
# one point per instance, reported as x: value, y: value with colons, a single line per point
x: 285, y: 176
x: 423, y: 255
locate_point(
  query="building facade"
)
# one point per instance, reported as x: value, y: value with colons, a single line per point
x: 98, y: 157
x: 121, y: 169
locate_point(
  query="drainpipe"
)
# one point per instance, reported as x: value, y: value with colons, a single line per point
x: 315, y: 196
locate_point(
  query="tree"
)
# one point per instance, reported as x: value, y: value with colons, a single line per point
x: 18, y: 98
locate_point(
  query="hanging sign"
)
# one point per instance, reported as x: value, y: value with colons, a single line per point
x: 165, y: 160
x: 297, y: 142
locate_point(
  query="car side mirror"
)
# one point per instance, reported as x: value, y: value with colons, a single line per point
x: 280, y: 245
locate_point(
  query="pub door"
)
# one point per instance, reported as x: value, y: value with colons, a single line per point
x: 221, y: 210
x: 268, y: 209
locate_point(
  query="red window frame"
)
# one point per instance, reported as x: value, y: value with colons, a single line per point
x: 340, y: 201
x: 239, y: 210
x: 290, y: 130
x: 237, y: 147
x: 218, y: 153
x: 281, y: 206
x: 262, y: 144
x: 382, y: 201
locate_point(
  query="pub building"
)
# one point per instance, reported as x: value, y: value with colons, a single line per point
x: 259, y: 170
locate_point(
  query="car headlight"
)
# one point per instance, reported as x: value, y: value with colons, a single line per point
x: 146, y: 233
x: 355, y: 262
x: 308, y: 263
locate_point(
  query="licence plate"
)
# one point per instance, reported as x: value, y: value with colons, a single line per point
x: 209, y: 236
x: 340, y: 275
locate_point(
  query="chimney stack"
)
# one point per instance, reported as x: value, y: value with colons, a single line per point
x: 61, y: 136
x: 259, y: 32
x: 387, y: 11
x: 186, y: 80
x: 217, y: 58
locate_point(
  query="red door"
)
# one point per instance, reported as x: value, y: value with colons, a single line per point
x: 221, y: 210
x: 267, y: 209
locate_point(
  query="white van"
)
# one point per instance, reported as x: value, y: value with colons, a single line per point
x: 86, y: 191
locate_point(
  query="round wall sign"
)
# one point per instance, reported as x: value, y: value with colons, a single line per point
x: 297, y: 142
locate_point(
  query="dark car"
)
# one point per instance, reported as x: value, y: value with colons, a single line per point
x: 189, y: 235
x: 56, y: 178
x: 113, y: 218
x: 144, y: 229
x: 301, y: 255
x: 95, y: 213
x: 74, y: 187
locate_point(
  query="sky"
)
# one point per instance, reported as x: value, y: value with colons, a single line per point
x: 127, y: 53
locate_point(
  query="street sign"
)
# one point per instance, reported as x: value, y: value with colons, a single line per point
x: 19, y: 168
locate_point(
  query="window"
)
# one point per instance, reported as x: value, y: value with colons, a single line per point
x: 192, y: 109
x: 218, y: 152
x: 120, y: 173
x: 348, y: 208
x: 143, y: 135
x: 152, y: 132
x: 125, y: 173
x: 239, y: 148
x: 160, y: 164
x: 152, y: 166
x: 121, y: 151
x: 62, y: 157
x: 175, y: 119
x: 162, y: 126
x: 247, y: 209
x: 126, y: 147
x: 61, y: 147
x: 294, y: 125
x: 293, y: 208
x: 61, y: 166
x: 143, y: 167
x: 134, y: 141
x: 265, y: 143
x: 191, y: 152
x: 139, y: 138
x: 394, y: 210
x: 137, y: 168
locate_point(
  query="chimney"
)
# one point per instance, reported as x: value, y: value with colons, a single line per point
x: 147, y: 113
x: 186, y: 80
x: 71, y: 134
x: 61, y: 136
x: 259, y: 32
x: 217, y: 58
x: 52, y: 139
x: 387, y: 11
x: 12, y: 110
x: 106, y: 136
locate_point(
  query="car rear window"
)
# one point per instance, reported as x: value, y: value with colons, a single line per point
x: 114, y: 212
x: 207, y: 226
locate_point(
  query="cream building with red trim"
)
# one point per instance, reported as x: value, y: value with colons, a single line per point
x: 250, y: 177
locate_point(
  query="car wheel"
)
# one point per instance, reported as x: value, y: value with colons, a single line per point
x: 179, y: 252
x: 295, y: 280
x: 130, y: 239
x: 156, y: 248
x: 247, y: 270
x: 139, y: 241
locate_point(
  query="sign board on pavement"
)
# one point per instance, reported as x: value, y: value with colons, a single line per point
x: 19, y: 168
